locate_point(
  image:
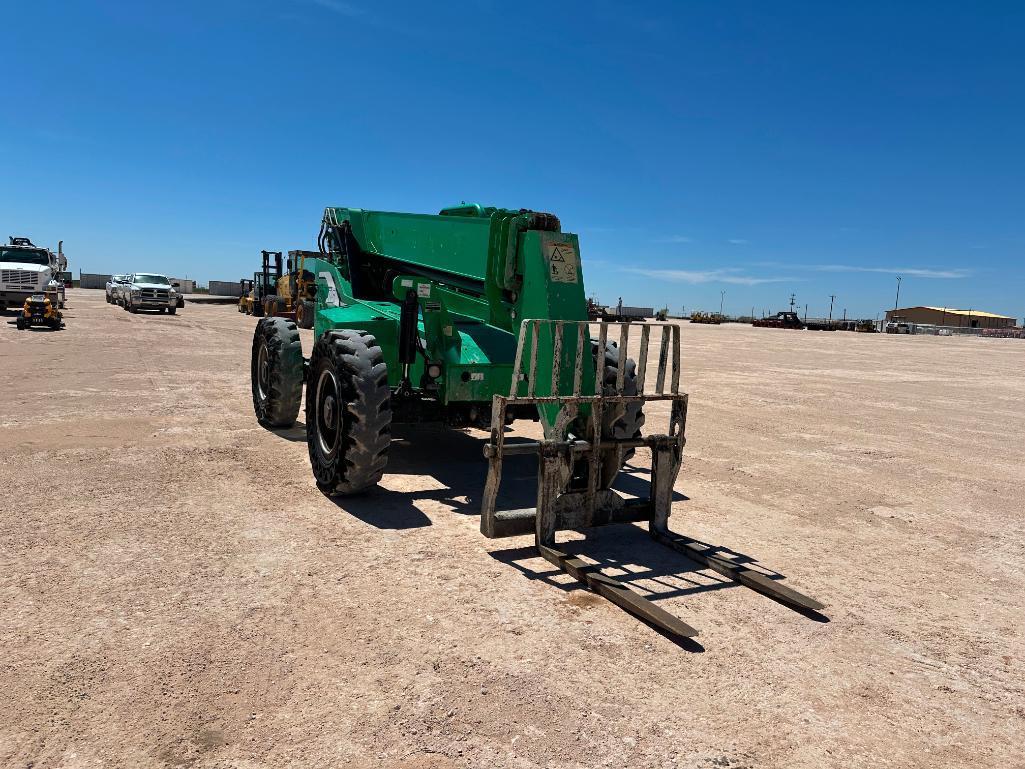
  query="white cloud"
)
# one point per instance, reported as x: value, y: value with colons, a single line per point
x: 916, y: 272
x: 726, y: 275
x: 739, y: 241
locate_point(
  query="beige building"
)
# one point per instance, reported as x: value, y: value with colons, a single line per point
x: 948, y: 316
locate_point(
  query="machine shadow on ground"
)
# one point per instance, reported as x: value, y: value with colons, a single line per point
x: 626, y: 552
x: 454, y: 459
x: 296, y: 433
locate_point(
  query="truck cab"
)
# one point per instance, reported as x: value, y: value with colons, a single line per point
x: 25, y: 269
x: 149, y: 291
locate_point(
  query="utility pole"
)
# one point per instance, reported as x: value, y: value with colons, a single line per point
x: 722, y: 298
x: 805, y: 313
x: 831, y: 298
x: 793, y: 298
x: 845, y: 313
x: 897, y: 300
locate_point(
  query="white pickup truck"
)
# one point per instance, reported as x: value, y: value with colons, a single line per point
x: 26, y: 269
x: 149, y: 291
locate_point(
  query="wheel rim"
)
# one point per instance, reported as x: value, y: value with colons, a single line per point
x: 262, y: 372
x: 329, y: 413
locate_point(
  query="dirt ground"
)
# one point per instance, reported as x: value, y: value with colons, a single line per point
x: 176, y: 592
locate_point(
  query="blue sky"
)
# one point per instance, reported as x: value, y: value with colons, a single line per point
x: 752, y: 147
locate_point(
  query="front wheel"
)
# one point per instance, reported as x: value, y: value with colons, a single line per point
x: 619, y: 420
x: 277, y: 372
x: 304, y: 312
x: 172, y: 310
x: 348, y: 412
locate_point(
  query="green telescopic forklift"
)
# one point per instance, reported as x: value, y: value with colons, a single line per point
x: 477, y: 317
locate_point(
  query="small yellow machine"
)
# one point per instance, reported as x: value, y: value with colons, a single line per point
x: 295, y: 291
x: 42, y: 310
x: 247, y: 303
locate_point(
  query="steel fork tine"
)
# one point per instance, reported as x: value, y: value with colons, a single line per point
x: 642, y: 359
x: 535, y: 329
x: 676, y: 360
x: 557, y: 357
x: 578, y: 366
x: 518, y: 360
x: 663, y: 350
x: 624, y: 338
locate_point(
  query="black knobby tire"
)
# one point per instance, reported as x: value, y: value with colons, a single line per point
x: 305, y: 314
x: 172, y: 310
x: 277, y: 372
x: 622, y: 420
x: 257, y: 309
x: 348, y: 412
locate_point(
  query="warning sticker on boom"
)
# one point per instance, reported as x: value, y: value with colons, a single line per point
x: 562, y: 262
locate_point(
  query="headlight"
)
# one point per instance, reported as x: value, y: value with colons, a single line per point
x: 172, y: 292
x: 136, y: 290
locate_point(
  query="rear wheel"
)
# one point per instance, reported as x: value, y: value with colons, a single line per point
x: 348, y: 412
x: 277, y: 372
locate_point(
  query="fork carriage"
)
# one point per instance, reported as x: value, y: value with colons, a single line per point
x: 570, y: 492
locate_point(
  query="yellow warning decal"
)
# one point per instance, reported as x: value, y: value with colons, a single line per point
x: 562, y: 262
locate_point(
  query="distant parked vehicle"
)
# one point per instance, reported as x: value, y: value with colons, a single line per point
x: 711, y: 318
x: 114, y: 288
x: 784, y: 319
x: 27, y: 270
x: 898, y: 327
x: 149, y: 291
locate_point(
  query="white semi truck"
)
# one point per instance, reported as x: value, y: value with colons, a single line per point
x: 27, y: 269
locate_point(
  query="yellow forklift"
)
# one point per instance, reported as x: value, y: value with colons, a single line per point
x: 262, y: 287
x: 295, y: 291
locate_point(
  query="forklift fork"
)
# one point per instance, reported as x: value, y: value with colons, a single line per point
x: 562, y: 507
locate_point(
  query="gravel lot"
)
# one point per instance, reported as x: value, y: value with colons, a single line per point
x: 176, y: 592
